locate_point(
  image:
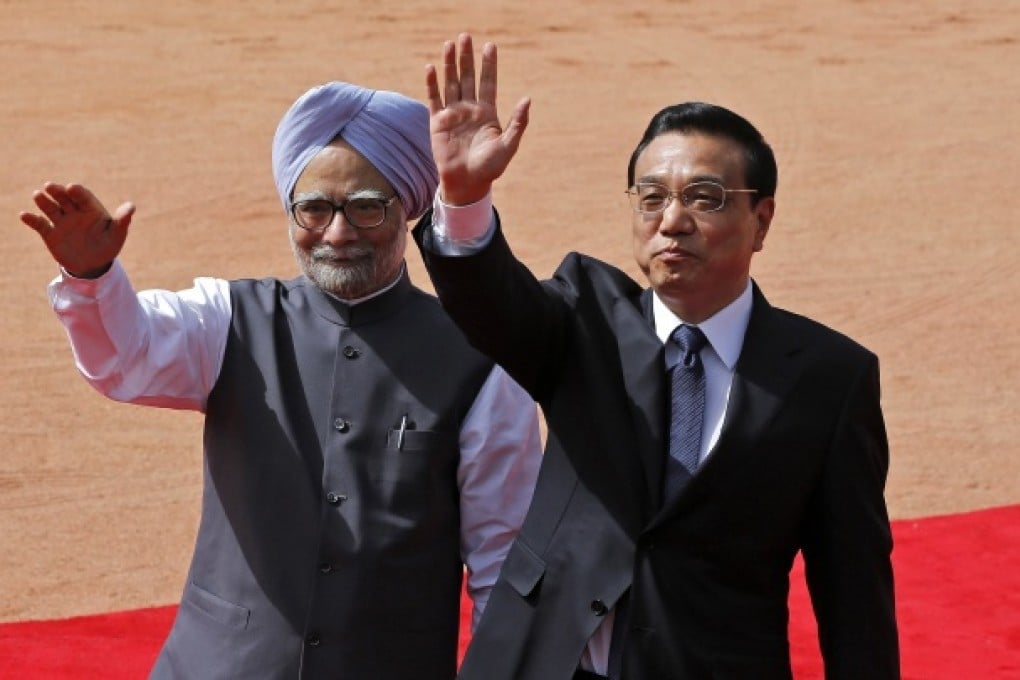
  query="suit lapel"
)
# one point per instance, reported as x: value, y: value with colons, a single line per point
x: 768, y: 368
x: 766, y: 371
x: 641, y: 356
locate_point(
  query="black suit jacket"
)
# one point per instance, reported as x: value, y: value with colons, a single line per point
x: 800, y: 465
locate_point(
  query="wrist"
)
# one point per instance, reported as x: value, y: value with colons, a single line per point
x: 90, y: 273
x: 453, y: 195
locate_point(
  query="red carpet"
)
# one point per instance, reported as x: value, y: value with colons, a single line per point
x: 958, y: 598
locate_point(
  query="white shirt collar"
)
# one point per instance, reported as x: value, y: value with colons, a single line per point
x: 355, y: 301
x: 725, y: 329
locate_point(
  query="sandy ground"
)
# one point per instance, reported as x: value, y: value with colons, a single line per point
x: 895, y: 125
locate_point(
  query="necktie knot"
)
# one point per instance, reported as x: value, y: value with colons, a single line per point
x: 691, y: 340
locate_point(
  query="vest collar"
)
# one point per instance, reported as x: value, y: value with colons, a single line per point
x: 342, y: 313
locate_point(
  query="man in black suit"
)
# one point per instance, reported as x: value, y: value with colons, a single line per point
x: 633, y: 562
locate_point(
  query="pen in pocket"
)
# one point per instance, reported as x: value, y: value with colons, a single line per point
x: 401, y: 432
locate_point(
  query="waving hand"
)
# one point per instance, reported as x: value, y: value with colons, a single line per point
x: 78, y: 231
x: 470, y: 147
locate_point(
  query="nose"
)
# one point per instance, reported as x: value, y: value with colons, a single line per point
x: 339, y: 230
x: 676, y: 218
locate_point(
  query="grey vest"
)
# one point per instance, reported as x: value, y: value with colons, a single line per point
x: 329, y: 541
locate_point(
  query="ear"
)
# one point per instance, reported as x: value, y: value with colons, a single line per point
x: 763, y: 213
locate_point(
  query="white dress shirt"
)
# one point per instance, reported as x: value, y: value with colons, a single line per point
x: 464, y: 230
x: 725, y: 332
x: 161, y: 348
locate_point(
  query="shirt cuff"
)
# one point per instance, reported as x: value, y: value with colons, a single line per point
x: 68, y: 285
x: 462, y: 229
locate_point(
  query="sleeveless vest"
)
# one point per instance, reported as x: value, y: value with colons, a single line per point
x: 329, y: 542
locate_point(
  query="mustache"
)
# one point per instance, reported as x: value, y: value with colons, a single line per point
x: 323, y: 252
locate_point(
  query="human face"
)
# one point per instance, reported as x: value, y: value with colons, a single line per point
x: 698, y: 262
x: 344, y: 260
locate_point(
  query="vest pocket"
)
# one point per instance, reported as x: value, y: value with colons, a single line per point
x: 421, y: 440
x: 223, y: 611
x: 424, y: 453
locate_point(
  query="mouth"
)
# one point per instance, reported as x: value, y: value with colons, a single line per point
x: 674, y: 253
x: 339, y: 257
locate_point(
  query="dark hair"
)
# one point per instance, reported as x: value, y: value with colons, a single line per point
x: 760, y: 165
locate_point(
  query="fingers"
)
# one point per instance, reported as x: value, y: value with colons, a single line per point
x: 451, y: 82
x: 459, y: 74
x: 46, y: 199
x: 432, y: 90
x: 65, y: 205
x: 59, y: 202
x: 487, y: 82
x: 51, y: 200
x: 37, y: 223
x: 467, y: 67
x: 81, y: 198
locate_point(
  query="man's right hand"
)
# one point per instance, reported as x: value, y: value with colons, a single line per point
x: 470, y: 147
x: 80, y: 234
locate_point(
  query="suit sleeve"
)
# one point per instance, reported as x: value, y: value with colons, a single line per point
x: 848, y: 544
x: 501, y: 307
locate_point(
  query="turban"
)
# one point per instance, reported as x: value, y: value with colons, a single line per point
x: 387, y: 128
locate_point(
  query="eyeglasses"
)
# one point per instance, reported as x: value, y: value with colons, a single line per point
x: 649, y: 198
x: 317, y: 214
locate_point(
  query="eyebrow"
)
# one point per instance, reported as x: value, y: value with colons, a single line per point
x: 662, y: 179
x: 357, y: 193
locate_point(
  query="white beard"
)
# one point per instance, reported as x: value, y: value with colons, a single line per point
x: 362, y: 271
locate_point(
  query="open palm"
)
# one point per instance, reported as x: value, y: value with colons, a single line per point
x: 470, y: 147
x: 77, y: 229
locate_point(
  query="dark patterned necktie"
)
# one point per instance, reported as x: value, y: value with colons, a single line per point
x: 687, y: 410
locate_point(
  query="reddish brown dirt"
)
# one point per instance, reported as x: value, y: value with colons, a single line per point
x: 897, y: 138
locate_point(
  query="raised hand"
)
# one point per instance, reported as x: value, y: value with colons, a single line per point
x: 470, y: 147
x: 78, y: 231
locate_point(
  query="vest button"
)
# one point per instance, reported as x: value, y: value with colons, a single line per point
x: 325, y: 567
x: 599, y: 608
x: 351, y: 352
x: 341, y: 425
x: 313, y: 640
x: 335, y: 498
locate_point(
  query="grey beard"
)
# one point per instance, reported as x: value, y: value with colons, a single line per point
x: 348, y: 279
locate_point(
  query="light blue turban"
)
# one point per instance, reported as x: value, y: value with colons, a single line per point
x: 387, y: 128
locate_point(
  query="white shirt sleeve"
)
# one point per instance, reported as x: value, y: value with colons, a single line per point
x: 462, y: 230
x: 500, y: 453
x: 155, y: 347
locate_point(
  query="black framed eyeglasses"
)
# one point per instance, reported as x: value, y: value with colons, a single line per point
x: 317, y: 214
x: 650, y: 198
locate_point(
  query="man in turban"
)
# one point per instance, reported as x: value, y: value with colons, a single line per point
x: 358, y: 452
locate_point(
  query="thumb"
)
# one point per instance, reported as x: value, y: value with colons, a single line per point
x: 517, y: 124
x: 122, y: 215
x: 120, y: 221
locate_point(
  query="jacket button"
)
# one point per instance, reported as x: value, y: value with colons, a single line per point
x: 313, y: 640
x: 599, y: 608
x: 335, y: 498
x: 325, y: 567
x: 351, y: 352
x: 341, y: 425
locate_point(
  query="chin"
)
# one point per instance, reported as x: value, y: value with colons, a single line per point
x: 348, y: 281
x: 672, y: 283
